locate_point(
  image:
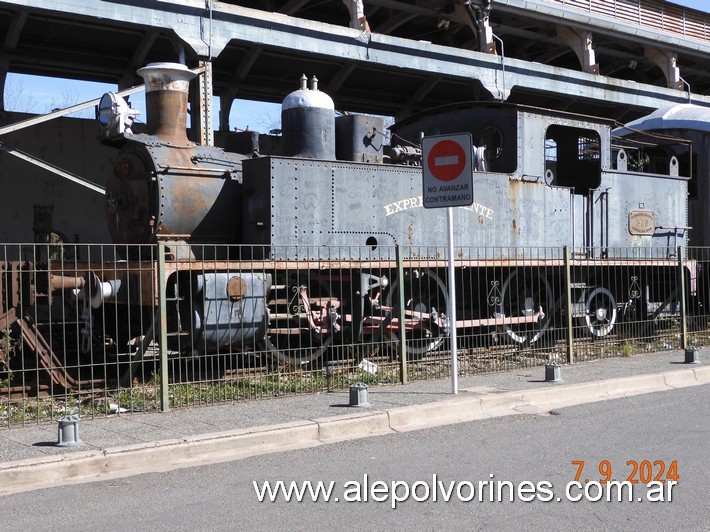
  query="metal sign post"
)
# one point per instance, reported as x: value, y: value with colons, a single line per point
x: 452, y: 304
x: 447, y: 176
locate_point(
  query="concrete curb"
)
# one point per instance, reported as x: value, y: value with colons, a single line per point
x: 351, y: 426
x: 121, y: 461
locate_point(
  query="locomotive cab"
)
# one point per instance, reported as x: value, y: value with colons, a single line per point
x: 561, y: 164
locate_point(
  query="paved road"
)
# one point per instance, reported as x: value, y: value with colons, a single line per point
x: 665, y: 427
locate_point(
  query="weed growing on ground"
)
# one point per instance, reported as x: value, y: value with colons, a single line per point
x: 628, y: 349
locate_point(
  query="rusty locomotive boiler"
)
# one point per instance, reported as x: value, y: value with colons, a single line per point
x: 166, y: 188
x: 296, y: 253
x: 162, y: 183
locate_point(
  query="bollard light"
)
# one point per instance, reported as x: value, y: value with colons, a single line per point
x: 358, y: 395
x: 691, y: 355
x: 68, y: 431
x: 553, y: 372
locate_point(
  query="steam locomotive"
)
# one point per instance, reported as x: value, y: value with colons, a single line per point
x: 296, y: 252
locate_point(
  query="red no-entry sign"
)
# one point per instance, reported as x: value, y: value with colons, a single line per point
x: 447, y: 170
x: 446, y: 160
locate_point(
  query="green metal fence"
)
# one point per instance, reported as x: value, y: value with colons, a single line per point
x: 100, y: 330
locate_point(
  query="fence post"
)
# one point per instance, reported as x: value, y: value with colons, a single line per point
x: 402, y: 334
x: 681, y: 299
x: 163, y: 330
x: 568, y: 304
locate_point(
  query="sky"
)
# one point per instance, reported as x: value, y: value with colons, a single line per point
x: 700, y: 5
x: 42, y: 95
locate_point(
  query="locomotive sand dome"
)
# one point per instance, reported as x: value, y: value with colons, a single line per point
x: 163, y: 184
x: 308, y: 123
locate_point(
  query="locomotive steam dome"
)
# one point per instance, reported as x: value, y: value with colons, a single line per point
x: 308, y: 123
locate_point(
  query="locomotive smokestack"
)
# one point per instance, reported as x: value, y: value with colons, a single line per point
x: 166, y: 90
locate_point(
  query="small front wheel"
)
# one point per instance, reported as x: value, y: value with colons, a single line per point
x: 599, y: 316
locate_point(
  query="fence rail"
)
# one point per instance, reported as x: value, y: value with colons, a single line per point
x: 98, y: 330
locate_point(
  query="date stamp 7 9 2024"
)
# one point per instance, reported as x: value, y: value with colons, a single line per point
x: 644, y: 471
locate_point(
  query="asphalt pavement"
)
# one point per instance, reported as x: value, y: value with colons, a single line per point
x: 127, y: 444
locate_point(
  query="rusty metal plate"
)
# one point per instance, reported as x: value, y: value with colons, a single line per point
x: 236, y: 288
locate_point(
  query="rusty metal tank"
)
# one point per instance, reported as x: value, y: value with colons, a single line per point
x: 164, y: 185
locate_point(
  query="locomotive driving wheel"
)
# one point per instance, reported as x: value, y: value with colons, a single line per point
x: 599, y: 316
x: 425, y: 304
x: 525, y: 297
x: 303, y: 315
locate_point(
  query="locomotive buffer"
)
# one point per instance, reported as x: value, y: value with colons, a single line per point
x: 447, y: 177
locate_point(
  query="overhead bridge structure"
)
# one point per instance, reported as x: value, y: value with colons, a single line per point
x: 616, y: 58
